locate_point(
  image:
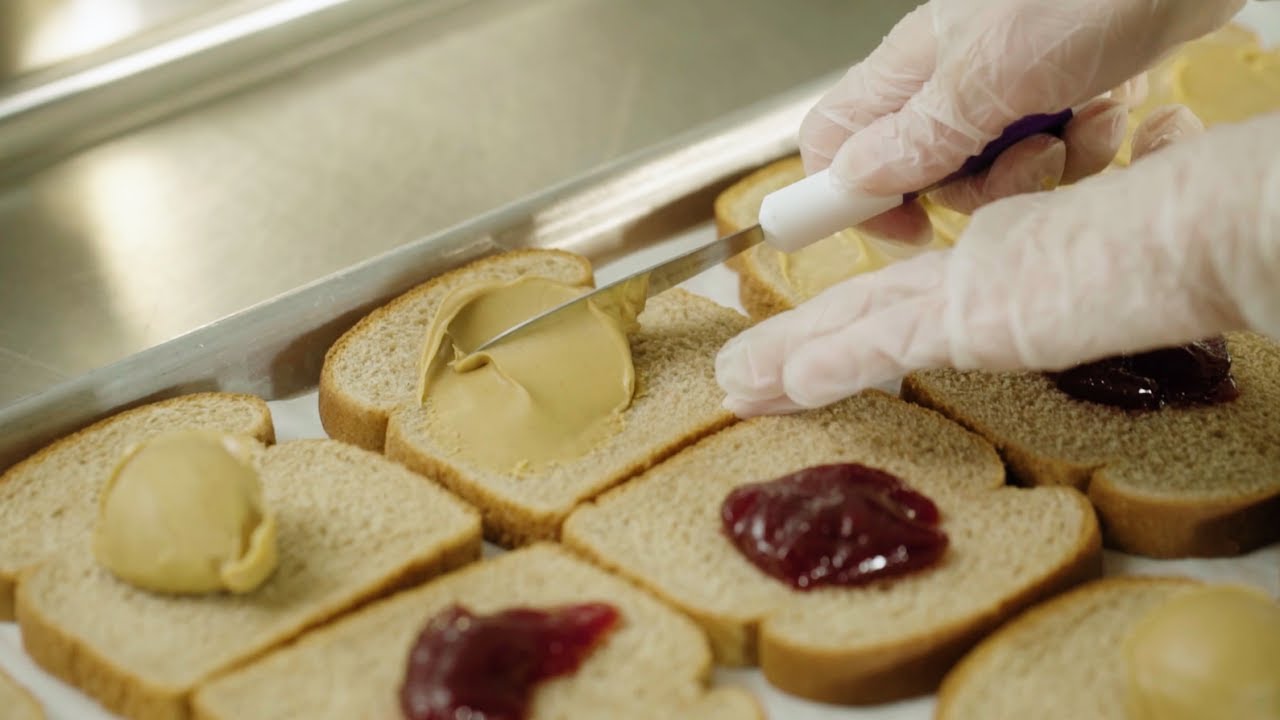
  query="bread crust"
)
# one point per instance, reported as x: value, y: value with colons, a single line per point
x: 27, y: 704
x: 907, y: 667
x: 508, y: 521
x: 509, y: 524
x: 1157, y: 527
x: 913, y: 665
x: 759, y: 297
x: 972, y: 662
x: 123, y: 692
x: 346, y: 417
x: 70, y: 657
x: 262, y: 430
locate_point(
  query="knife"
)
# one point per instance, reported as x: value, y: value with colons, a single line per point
x: 791, y: 218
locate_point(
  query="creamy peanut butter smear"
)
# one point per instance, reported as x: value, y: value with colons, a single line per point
x: 838, y: 257
x: 546, y: 395
x: 1212, y: 651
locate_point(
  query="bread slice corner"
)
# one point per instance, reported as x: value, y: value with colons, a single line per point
x: 859, y: 645
x: 50, y: 499
x: 1059, y: 660
x: 1179, y: 482
x: 352, y: 527
x: 655, y: 664
x: 677, y: 400
x: 16, y: 701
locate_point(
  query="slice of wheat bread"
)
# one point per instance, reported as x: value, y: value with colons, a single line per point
x: 351, y: 526
x: 764, y: 286
x: 1173, y: 483
x: 1061, y: 660
x: 372, y: 369
x: 50, y: 499
x: 367, y: 393
x: 16, y: 702
x: 654, y: 665
x: 1009, y: 548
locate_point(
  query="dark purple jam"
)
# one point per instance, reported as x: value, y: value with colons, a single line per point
x: 485, y: 667
x: 834, y: 525
x: 1187, y: 375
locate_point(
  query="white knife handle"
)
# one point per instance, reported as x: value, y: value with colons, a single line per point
x: 807, y: 211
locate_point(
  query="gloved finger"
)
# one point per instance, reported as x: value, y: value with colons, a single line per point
x: 1132, y: 92
x: 877, y: 348
x: 1033, y: 164
x: 749, y: 367
x: 880, y: 84
x: 1164, y: 125
x: 908, y: 224
x: 751, y: 408
x: 1093, y: 137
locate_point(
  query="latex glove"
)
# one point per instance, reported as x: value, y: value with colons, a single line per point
x: 1183, y: 244
x: 952, y: 74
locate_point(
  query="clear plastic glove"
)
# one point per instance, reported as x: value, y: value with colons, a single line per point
x: 954, y: 73
x: 1183, y: 244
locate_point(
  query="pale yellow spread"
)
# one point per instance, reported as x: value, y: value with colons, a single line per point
x: 1224, y: 77
x: 184, y: 513
x: 545, y: 395
x: 816, y: 267
x: 1211, y: 652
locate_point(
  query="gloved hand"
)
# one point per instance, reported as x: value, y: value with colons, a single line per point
x: 953, y: 73
x: 1181, y: 245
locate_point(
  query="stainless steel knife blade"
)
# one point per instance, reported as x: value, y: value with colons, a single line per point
x: 656, y: 278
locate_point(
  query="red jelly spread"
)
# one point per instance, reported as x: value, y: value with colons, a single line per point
x: 484, y: 667
x: 1186, y: 375
x: 833, y: 525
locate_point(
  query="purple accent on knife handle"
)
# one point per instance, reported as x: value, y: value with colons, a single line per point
x: 1051, y: 123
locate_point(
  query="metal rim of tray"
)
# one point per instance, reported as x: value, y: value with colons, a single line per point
x: 276, y: 348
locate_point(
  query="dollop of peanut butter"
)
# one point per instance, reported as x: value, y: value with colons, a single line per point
x: 545, y: 395
x: 183, y: 513
x: 1208, y: 652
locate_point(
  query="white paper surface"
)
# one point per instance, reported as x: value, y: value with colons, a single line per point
x: 298, y: 418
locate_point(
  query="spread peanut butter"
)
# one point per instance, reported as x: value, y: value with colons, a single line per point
x: 817, y: 267
x: 183, y: 513
x: 1224, y: 77
x: 545, y: 395
x: 1212, y: 651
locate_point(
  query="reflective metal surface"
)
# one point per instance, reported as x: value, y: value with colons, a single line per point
x: 171, y: 227
x: 276, y: 350
x: 37, y: 35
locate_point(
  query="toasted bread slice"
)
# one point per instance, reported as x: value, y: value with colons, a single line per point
x: 351, y: 526
x: 1172, y: 483
x: 16, y: 702
x: 1008, y: 548
x: 50, y: 499
x: 369, y: 379
x: 771, y: 281
x: 1060, y: 660
x: 654, y: 665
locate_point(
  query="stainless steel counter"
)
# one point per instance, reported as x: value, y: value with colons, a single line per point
x: 151, y: 234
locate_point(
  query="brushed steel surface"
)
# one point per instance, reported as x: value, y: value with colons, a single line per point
x: 169, y: 228
x: 276, y: 349
x: 37, y: 35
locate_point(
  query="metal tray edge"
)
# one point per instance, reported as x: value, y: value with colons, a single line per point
x: 276, y: 349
